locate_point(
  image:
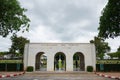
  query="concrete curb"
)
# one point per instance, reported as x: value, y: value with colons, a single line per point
x: 11, y: 75
x: 108, y: 76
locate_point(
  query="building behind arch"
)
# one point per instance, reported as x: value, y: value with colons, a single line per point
x: 85, y: 52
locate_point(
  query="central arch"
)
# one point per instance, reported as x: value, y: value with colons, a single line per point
x: 59, y: 62
x: 78, y: 62
x: 41, y: 62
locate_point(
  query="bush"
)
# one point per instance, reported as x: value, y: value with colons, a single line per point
x: 90, y: 68
x: 30, y: 68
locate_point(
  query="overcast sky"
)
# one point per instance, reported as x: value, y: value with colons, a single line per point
x: 62, y: 21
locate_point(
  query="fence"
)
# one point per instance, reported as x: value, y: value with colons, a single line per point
x: 108, y: 67
x: 11, y: 66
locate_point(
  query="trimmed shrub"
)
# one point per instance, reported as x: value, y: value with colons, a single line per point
x: 90, y: 68
x: 30, y: 69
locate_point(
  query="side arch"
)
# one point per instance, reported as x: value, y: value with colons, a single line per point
x: 78, y: 62
x: 40, y: 61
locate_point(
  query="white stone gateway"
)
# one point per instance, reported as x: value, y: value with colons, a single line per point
x: 60, y: 56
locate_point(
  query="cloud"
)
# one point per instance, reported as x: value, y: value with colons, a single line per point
x: 43, y: 34
x: 5, y: 43
x: 62, y: 20
x: 114, y: 43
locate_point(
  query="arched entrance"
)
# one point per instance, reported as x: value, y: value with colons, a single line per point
x: 78, y: 62
x: 41, y: 62
x: 59, y: 62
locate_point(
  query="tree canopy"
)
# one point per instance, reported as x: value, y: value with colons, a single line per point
x: 110, y: 20
x: 3, y: 53
x: 115, y: 54
x: 101, y: 46
x: 12, y: 17
x: 18, y: 44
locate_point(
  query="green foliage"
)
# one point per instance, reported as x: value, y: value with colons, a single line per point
x: 118, y: 54
x: 76, y: 57
x: 101, y: 46
x: 18, y: 44
x: 118, y: 49
x: 90, y: 68
x: 3, y: 53
x: 110, y: 20
x: 100, y: 55
x: 115, y: 54
x: 12, y: 17
x: 30, y: 68
x: 112, y: 54
x: 59, y: 55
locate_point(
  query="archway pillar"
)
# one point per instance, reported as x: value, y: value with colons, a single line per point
x: 50, y: 62
x: 69, y: 62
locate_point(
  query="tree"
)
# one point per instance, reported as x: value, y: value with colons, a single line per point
x: 18, y: 44
x: 110, y: 20
x: 115, y: 54
x: 3, y: 53
x: 101, y: 46
x: 12, y: 17
x: 118, y: 54
x: 118, y: 50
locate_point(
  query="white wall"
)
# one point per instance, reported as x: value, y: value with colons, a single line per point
x: 50, y: 49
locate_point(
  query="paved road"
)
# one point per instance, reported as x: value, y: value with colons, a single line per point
x: 57, y: 76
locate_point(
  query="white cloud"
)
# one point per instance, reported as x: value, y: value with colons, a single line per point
x: 43, y: 34
x: 114, y: 43
x: 62, y: 21
x: 5, y: 43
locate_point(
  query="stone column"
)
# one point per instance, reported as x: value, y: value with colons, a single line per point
x: 26, y: 48
x: 50, y: 62
x: 69, y: 62
x: 31, y: 60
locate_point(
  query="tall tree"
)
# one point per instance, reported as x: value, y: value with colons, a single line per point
x: 110, y: 20
x: 18, y: 44
x: 101, y: 46
x: 12, y: 17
